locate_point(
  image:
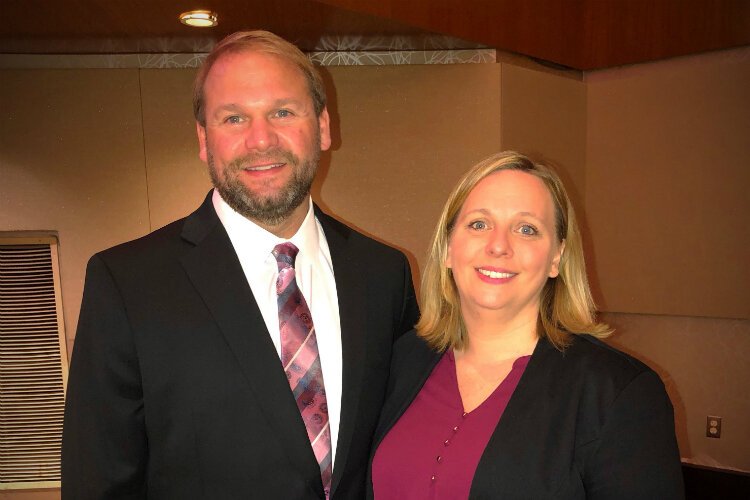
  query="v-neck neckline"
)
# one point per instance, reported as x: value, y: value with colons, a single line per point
x: 492, y: 395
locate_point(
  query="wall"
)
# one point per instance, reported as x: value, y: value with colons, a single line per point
x: 666, y: 185
x: 544, y: 115
x: 72, y: 161
x: 666, y: 197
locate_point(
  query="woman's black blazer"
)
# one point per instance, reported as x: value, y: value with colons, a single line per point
x: 590, y: 422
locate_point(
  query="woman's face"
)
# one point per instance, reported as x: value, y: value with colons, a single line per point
x: 503, y: 245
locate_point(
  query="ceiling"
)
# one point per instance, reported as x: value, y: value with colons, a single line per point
x: 579, y: 34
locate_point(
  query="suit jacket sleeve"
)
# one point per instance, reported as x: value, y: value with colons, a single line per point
x: 104, y: 450
x: 637, y: 454
x: 410, y: 309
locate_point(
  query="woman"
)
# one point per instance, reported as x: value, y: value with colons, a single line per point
x: 504, y: 390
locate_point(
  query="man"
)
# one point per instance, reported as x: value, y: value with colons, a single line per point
x: 183, y: 383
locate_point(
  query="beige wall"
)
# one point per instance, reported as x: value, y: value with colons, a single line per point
x: 71, y: 161
x: 667, y: 177
x: 177, y: 179
x: 544, y: 115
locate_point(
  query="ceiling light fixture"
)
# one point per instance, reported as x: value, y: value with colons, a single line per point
x: 199, y: 18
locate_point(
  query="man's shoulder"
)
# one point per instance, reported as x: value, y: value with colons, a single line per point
x: 172, y: 238
x: 412, y: 353
x: 356, y: 241
x: 152, y: 244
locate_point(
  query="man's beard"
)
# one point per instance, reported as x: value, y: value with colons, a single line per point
x: 266, y: 210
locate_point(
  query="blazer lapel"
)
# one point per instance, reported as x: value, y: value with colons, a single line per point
x: 352, y: 300
x: 531, y: 402
x: 216, y: 273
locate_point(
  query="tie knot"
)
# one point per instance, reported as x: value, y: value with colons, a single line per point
x: 285, y: 253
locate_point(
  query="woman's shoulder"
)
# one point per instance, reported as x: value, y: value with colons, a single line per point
x: 593, y: 362
x: 586, y: 348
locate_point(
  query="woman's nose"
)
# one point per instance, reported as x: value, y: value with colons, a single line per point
x: 498, y: 243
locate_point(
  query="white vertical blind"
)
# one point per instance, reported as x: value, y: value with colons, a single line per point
x: 33, y: 365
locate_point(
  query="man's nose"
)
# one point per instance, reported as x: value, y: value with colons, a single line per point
x: 261, y: 136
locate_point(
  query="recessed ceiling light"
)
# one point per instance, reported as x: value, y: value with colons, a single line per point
x: 199, y: 18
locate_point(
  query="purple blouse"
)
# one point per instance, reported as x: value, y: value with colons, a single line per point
x: 433, y: 450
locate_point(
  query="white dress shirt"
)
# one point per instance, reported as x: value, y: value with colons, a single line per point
x: 314, y: 273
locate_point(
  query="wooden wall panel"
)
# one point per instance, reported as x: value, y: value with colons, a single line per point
x: 581, y: 34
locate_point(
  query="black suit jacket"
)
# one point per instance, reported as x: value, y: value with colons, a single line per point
x: 176, y: 390
x: 591, y: 422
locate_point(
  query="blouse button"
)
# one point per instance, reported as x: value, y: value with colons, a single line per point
x: 464, y: 415
x: 455, y: 429
x: 439, y: 459
x: 447, y: 442
x: 433, y: 478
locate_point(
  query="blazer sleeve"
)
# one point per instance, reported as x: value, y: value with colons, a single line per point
x: 410, y: 309
x: 104, y: 449
x: 637, y: 455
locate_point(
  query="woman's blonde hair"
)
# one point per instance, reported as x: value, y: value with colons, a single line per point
x: 566, y: 305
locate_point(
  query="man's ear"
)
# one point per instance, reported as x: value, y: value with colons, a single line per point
x: 202, y: 152
x: 324, y: 125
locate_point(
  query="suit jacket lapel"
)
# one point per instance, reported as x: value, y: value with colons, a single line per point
x: 352, y: 300
x: 216, y: 273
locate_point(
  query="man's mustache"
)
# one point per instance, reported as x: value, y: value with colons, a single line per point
x: 274, y: 156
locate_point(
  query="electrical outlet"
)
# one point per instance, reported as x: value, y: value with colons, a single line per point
x: 713, y: 427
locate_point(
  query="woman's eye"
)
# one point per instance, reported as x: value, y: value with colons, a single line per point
x: 478, y: 225
x: 528, y: 230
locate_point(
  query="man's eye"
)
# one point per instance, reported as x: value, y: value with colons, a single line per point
x: 479, y: 225
x: 232, y: 119
x: 528, y: 230
x: 283, y: 113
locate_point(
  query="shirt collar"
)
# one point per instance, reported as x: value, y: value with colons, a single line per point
x: 254, y: 242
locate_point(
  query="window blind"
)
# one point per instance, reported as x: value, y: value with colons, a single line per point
x: 33, y: 363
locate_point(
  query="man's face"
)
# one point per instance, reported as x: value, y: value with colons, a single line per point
x: 262, y: 138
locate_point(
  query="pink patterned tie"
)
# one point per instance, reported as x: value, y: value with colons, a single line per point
x: 299, y: 356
